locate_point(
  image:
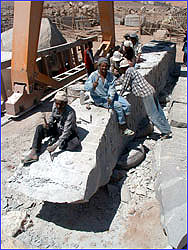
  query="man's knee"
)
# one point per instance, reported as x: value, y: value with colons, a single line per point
x: 117, y: 105
x: 40, y: 128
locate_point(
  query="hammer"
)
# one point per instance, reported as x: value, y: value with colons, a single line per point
x: 43, y: 116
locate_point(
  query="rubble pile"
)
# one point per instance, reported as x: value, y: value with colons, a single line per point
x: 71, y: 14
x: 171, y: 19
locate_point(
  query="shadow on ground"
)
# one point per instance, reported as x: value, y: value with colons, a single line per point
x: 94, y: 216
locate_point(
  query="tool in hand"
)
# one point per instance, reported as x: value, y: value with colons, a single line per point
x: 46, y: 125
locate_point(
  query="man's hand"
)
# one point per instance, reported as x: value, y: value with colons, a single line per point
x: 52, y: 148
x: 116, y: 72
x: 95, y: 84
x: 109, y: 101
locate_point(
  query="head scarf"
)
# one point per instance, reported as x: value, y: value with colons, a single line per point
x: 61, y: 96
x: 102, y: 60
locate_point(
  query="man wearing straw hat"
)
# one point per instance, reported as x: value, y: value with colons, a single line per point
x: 61, y: 127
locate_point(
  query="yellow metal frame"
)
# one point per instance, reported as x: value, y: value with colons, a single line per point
x: 24, y: 70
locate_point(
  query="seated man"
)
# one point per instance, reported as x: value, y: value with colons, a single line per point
x: 138, y: 85
x: 137, y: 47
x: 101, y: 84
x: 114, y: 63
x: 61, y: 126
x: 128, y: 52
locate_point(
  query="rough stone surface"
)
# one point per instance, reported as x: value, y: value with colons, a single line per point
x: 178, y: 112
x: 12, y: 243
x: 18, y: 222
x: 170, y: 169
x: 178, y: 115
x: 76, y: 176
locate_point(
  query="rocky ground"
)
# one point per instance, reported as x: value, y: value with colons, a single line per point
x: 123, y: 214
x: 120, y: 215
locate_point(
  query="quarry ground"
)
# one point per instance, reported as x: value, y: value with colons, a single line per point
x: 105, y: 222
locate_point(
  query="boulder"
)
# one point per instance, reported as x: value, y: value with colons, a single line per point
x: 49, y: 36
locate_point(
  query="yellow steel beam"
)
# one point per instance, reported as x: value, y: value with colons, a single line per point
x: 106, y: 12
x: 26, y: 29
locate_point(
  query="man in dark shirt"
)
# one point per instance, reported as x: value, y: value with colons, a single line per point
x: 61, y: 127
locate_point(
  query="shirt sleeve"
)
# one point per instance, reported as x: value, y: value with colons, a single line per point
x: 51, y: 118
x: 71, y: 119
x: 112, y: 89
x: 89, y: 82
x: 126, y: 82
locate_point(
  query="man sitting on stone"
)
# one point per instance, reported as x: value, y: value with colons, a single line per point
x: 131, y: 79
x: 101, y: 84
x: 61, y: 127
x: 128, y: 52
x: 114, y: 63
x: 137, y: 47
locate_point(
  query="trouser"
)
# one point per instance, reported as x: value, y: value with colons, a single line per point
x: 71, y: 143
x: 185, y: 58
x: 156, y: 114
x: 121, y: 106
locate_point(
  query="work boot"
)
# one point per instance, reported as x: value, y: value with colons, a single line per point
x: 166, y: 136
x: 32, y: 157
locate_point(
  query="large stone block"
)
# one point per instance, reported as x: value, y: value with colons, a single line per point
x: 170, y: 169
x: 178, y: 115
x: 76, y: 176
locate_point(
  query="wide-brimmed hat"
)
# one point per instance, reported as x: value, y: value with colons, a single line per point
x: 117, y: 56
x: 124, y: 63
x: 128, y: 44
x: 61, y: 96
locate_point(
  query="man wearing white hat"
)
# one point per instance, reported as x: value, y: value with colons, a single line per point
x: 61, y: 127
x: 128, y: 52
x: 138, y: 85
x: 114, y: 63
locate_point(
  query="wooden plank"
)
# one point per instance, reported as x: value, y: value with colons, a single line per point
x: 82, y: 52
x: 70, y: 61
x: 5, y: 64
x: 61, y: 60
x: 45, y: 66
x: 66, y: 46
x: 75, y: 56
